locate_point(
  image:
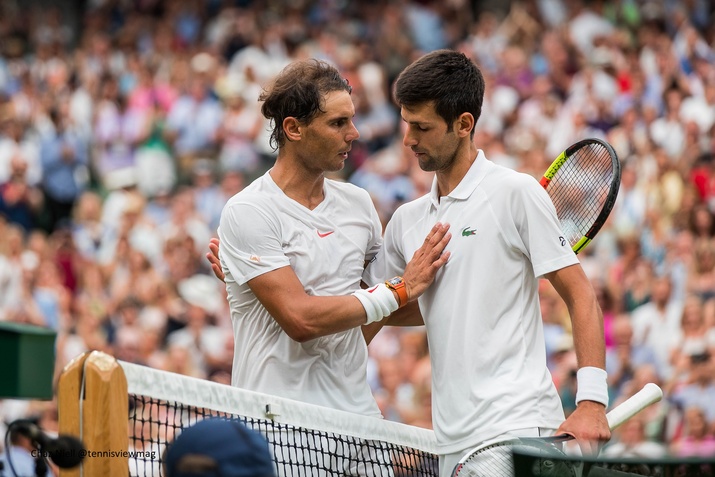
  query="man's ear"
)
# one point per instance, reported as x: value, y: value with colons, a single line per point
x: 291, y: 127
x: 465, y: 124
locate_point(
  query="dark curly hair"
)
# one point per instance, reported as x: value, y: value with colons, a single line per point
x: 298, y: 92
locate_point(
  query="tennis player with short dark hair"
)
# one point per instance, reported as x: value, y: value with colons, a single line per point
x: 294, y: 247
x: 489, y: 374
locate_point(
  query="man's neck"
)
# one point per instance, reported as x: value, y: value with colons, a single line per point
x: 301, y: 185
x: 449, y: 179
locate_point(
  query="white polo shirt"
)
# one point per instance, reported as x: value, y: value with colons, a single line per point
x: 486, y: 342
x: 261, y: 230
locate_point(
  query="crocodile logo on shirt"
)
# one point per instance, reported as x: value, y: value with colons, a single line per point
x: 466, y: 232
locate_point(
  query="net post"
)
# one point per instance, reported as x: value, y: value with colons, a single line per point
x: 101, y: 419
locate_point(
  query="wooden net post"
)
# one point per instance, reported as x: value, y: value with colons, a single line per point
x: 99, y: 417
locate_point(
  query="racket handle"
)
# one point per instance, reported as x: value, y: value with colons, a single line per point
x: 650, y: 394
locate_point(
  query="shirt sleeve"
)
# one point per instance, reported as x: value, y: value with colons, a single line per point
x: 540, y: 230
x: 251, y: 243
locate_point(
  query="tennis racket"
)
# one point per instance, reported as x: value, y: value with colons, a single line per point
x: 494, y: 458
x: 583, y: 184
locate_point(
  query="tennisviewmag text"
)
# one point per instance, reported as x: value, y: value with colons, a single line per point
x: 69, y: 453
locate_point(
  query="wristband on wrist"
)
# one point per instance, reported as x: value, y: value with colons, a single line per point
x: 592, y: 385
x: 378, y: 301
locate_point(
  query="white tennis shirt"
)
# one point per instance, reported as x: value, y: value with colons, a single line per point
x: 482, y: 313
x: 261, y: 230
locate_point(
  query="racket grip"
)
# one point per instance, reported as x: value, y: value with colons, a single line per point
x: 650, y: 394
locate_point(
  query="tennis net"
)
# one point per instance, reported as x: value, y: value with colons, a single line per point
x: 305, y: 440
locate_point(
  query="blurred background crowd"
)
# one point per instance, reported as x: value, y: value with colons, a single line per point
x: 126, y: 125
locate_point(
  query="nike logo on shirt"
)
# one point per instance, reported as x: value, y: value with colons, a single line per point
x: 325, y: 234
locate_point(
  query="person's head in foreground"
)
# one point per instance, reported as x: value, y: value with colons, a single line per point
x: 219, y: 448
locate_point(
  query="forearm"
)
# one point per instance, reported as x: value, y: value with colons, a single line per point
x: 587, y: 323
x: 316, y: 316
x: 586, y: 317
x: 308, y: 317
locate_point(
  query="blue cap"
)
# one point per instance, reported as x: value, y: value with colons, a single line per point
x: 219, y: 448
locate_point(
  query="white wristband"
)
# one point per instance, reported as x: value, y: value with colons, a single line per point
x: 378, y: 301
x: 592, y: 385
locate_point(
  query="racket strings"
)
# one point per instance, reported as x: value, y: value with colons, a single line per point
x: 497, y: 460
x: 580, y: 189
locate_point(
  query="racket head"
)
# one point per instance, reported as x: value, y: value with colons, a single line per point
x: 583, y: 183
x: 495, y: 458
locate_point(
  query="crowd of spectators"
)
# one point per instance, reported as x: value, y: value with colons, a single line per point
x: 121, y: 139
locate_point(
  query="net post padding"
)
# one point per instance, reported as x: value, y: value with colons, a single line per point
x: 93, y: 406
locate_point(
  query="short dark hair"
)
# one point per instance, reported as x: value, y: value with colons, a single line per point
x: 447, y: 78
x: 298, y: 91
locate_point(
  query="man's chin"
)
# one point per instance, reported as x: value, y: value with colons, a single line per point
x: 337, y: 167
x: 427, y: 165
